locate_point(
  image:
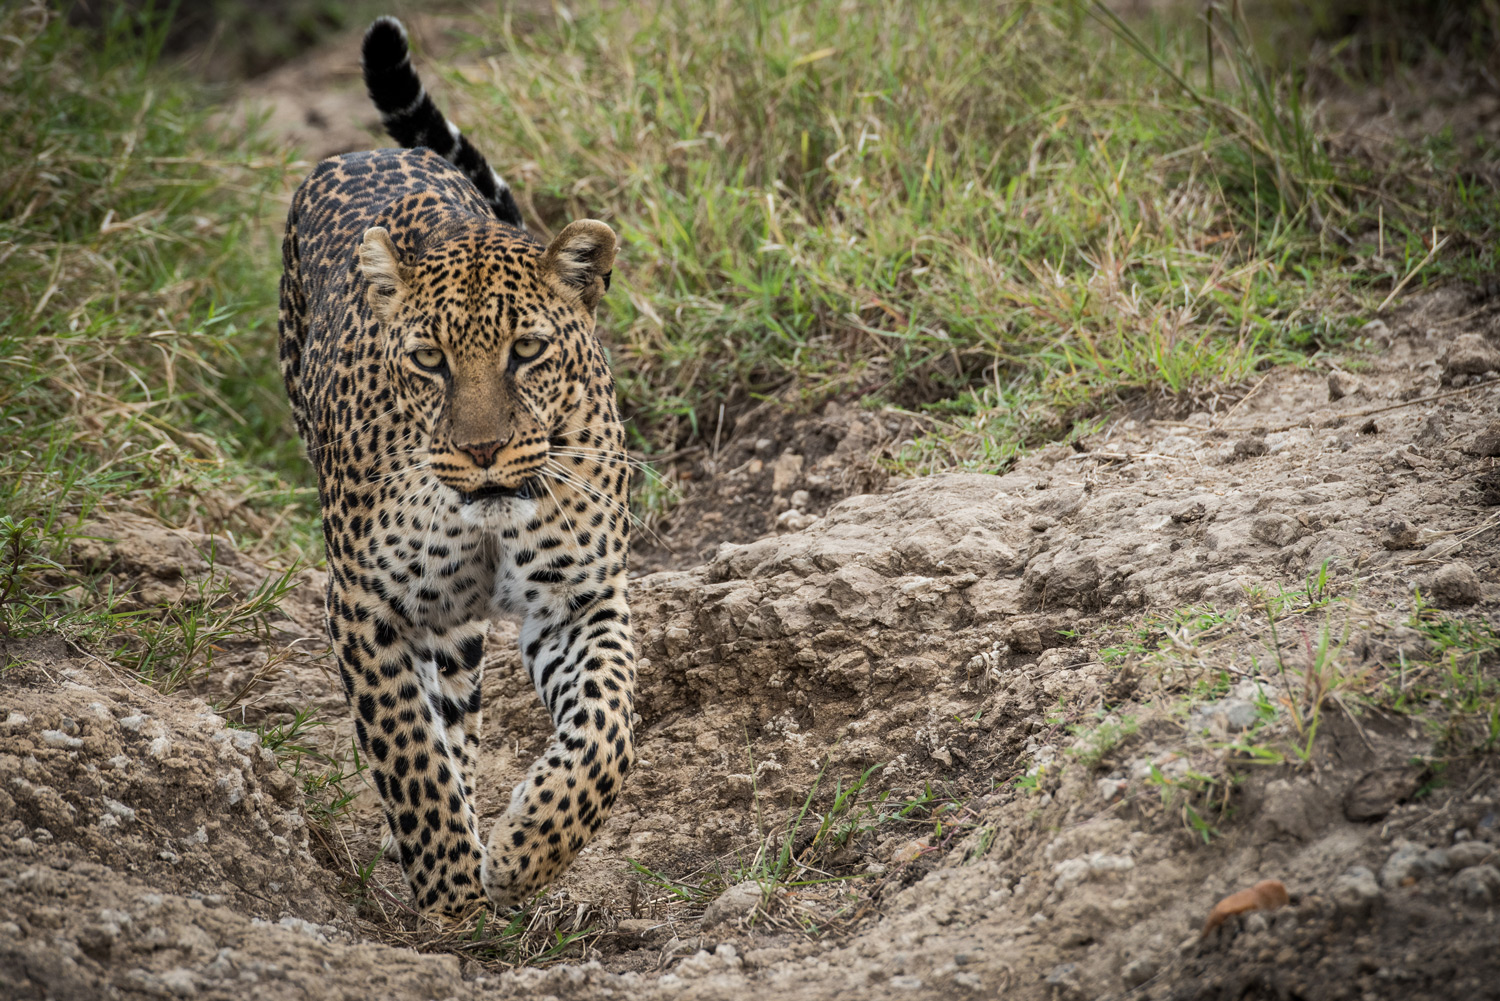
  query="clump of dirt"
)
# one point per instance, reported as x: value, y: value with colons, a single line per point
x: 148, y: 849
x: 1079, y: 686
x: 778, y: 471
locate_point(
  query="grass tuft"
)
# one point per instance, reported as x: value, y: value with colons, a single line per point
x: 1014, y: 212
x: 136, y: 297
x: 136, y: 338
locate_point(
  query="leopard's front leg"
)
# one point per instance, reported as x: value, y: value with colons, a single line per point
x: 583, y: 666
x: 392, y: 678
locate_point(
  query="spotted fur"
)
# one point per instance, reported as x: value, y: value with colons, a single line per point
x: 445, y: 376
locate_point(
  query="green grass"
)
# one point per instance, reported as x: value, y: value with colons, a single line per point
x: 1013, y: 212
x: 136, y: 289
x: 329, y: 785
x: 810, y: 865
x: 1301, y: 648
x: 1457, y: 690
x: 137, y: 347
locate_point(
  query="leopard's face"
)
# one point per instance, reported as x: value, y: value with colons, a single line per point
x: 484, y: 338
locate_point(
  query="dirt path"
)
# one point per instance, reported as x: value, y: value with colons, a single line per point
x: 1067, y: 673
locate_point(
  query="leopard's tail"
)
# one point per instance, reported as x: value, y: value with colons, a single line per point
x: 410, y: 117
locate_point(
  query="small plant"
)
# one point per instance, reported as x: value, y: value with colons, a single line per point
x: 328, y: 785
x: 1031, y: 782
x: 23, y: 565
x: 808, y: 880
x: 1190, y: 793
x: 185, y: 636
x: 982, y: 842
x: 1093, y: 744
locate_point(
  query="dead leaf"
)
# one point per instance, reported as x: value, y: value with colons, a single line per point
x: 1267, y: 895
x: 909, y: 851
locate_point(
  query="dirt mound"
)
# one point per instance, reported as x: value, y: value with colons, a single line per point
x: 149, y: 850
x: 1077, y: 705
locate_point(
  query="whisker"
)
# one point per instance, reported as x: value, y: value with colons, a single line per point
x: 561, y: 475
x: 651, y: 471
x: 607, y: 458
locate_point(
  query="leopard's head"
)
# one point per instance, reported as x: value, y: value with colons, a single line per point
x: 489, y: 342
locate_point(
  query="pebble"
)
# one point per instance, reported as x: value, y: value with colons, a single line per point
x: 793, y: 520
x: 1456, y: 584
x: 1470, y: 853
x: 739, y: 901
x: 1410, y: 862
x: 1341, y: 384
x: 1138, y: 971
x: 1487, y: 442
x: 1478, y: 885
x: 1469, y: 354
x: 907, y: 851
x: 1400, y: 535
x: 1250, y: 447
x: 1355, y: 892
x: 1112, y: 786
x: 1379, y: 790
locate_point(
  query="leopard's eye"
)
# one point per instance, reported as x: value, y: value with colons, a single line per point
x: 428, y: 358
x: 527, y: 348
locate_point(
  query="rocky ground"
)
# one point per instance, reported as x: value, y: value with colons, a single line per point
x: 1091, y: 696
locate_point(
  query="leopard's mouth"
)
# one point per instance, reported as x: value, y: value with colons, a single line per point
x: 526, y: 490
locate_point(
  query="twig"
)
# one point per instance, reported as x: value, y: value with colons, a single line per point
x: 1253, y: 390
x: 1125, y: 456
x: 1436, y: 246
x: 1368, y: 411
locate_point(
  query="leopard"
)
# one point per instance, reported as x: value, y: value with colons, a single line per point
x: 447, y: 379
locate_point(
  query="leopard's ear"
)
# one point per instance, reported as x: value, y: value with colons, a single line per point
x: 578, y: 262
x: 381, y: 265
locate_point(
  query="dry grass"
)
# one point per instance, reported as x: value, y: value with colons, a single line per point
x: 1016, y: 213
x: 131, y: 291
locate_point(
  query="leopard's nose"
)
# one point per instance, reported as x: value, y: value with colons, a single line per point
x: 483, y: 453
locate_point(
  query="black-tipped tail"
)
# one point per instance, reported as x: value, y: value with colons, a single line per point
x: 410, y: 117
